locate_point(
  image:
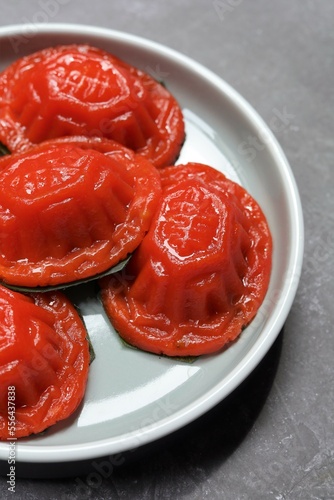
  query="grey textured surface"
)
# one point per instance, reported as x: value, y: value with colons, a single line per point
x: 273, y: 439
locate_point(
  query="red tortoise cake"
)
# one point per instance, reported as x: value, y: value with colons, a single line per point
x: 44, y: 361
x: 72, y: 209
x: 201, y: 272
x: 83, y: 90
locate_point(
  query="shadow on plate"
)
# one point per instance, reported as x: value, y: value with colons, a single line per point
x: 210, y: 438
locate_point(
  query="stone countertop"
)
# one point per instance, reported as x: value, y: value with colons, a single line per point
x: 272, y: 438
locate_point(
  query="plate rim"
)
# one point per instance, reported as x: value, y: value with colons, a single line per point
x: 169, y: 424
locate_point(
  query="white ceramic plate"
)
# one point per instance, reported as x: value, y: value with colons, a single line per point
x: 134, y: 397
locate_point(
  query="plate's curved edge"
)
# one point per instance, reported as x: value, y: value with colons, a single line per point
x: 283, y: 306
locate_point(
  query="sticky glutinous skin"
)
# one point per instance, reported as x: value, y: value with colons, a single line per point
x: 44, y: 361
x: 71, y: 209
x: 201, y: 272
x: 82, y: 90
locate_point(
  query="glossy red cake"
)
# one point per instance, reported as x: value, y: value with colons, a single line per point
x: 71, y: 209
x: 200, y: 274
x: 44, y: 362
x: 82, y: 90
